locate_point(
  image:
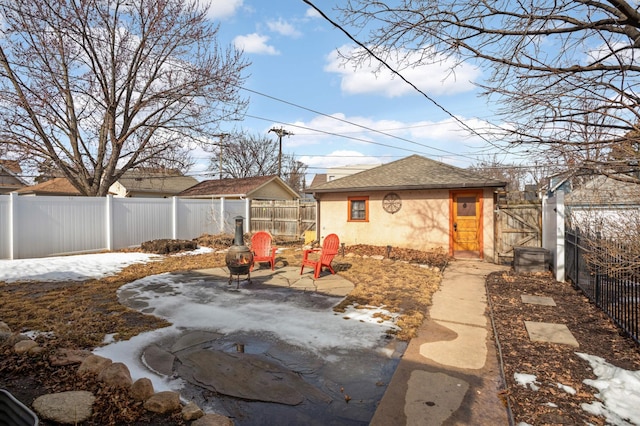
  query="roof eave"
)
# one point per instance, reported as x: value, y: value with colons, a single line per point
x: 406, y: 187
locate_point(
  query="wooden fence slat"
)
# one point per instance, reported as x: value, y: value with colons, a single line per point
x: 517, y: 225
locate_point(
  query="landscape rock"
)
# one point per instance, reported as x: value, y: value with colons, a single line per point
x: 65, y: 356
x: 246, y: 376
x: 94, y: 364
x: 15, y: 338
x: 4, y: 328
x: 142, y: 389
x: 4, y: 337
x: 36, y: 350
x: 158, y: 359
x: 163, y: 402
x: 116, y: 374
x: 213, y: 420
x: 24, y: 346
x: 191, y: 411
x: 71, y: 407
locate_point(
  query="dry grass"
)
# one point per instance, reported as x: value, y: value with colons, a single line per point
x: 81, y: 314
x: 400, y: 287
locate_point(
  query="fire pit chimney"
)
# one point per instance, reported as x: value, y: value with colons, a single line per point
x: 239, y: 258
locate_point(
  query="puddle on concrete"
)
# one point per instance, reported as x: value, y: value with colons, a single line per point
x: 352, y: 381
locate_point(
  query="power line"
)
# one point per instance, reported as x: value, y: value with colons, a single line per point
x: 395, y: 72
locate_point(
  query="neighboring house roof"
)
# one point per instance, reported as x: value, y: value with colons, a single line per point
x: 11, y: 166
x: 605, y: 191
x: 55, y: 186
x: 318, y: 180
x: 150, y: 182
x: 244, y: 187
x: 9, y: 179
x: 413, y: 172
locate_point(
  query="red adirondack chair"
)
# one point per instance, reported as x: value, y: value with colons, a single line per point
x: 262, y: 249
x: 326, y: 254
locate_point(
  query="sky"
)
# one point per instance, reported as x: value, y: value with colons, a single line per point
x: 297, y: 82
x: 616, y: 392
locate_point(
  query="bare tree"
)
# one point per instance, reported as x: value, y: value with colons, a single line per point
x: 557, y: 67
x: 492, y: 167
x: 247, y: 155
x: 97, y: 87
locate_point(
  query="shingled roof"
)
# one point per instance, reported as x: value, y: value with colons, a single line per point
x: 233, y: 187
x: 55, y: 186
x: 414, y: 172
x: 156, y: 181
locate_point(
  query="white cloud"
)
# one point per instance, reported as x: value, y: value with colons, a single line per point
x: 434, y: 79
x: 445, y: 140
x: 220, y: 9
x: 254, y: 43
x: 338, y: 158
x: 283, y: 28
x: 312, y: 13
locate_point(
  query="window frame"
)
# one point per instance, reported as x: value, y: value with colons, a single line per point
x: 350, y: 201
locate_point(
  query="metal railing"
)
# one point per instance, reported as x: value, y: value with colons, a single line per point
x: 607, y: 272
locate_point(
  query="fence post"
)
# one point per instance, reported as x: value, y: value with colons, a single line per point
x: 597, y: 286
x: 13, y: 225
x: 174, y: 217
x: 560, y: 266
x: 221, y: 229
x: 576, y: 259
x: 109, y: 222
x: 247, y: 213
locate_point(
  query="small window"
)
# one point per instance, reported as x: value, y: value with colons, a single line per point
x: 466, y: 206
x: 358, y: 209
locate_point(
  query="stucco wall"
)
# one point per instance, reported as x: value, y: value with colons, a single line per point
x: 488, y: 221
x: 422, y: 223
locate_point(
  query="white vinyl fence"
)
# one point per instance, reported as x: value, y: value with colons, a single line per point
x: 553, y: 220
x: 48, y: 226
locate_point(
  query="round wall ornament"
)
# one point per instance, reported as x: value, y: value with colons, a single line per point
x: 391, y: 203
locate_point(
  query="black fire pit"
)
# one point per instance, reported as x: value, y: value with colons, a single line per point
x: 239, y: 258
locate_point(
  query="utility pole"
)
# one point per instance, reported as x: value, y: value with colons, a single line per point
x: 220, y: 144
x: 280, y: 132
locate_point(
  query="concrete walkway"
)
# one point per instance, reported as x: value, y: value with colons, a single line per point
x: 449, y: 373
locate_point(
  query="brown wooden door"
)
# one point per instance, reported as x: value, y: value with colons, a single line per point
x: 466, y: 229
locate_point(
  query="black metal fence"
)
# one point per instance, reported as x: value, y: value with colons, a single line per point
x: 607, y: 272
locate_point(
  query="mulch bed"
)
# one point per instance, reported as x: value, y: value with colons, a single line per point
x: 553, y: 364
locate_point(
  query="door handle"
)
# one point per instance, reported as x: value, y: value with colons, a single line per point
x: 455, y: 227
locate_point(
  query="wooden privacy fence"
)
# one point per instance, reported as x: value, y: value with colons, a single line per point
x: 291, y: 218
x: 517, y: 223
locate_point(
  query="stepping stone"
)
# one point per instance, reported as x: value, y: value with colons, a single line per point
x: 550, y: 333
x: 538, y: 300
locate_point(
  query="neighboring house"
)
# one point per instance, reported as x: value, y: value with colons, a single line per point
x: 604, y: 204
x: 413, y: 203
x: 9, y: 176
x: 134, y: 183
x: 253, y: 188
x: 151, y: 183
x: 56, y: 187
x: 339, y: 172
